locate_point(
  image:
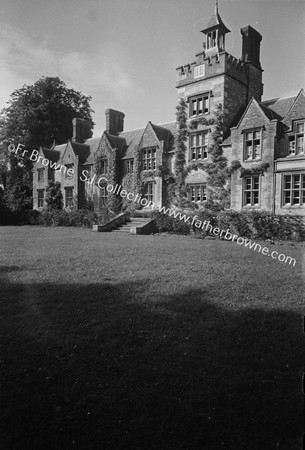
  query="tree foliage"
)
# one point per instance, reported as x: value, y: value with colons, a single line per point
x: 54, y: 196
x: 39, y: 114
x: 36, y: 115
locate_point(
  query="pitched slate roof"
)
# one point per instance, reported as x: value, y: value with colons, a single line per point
x: 51, y: 155
x: 280, y: 106
x: 93, y: 143
x: 132, y: 139
x: 116, y: 141
x: 81, y: 150
x: 271, y: 114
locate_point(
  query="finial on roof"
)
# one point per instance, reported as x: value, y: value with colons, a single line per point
x: 216, y: 6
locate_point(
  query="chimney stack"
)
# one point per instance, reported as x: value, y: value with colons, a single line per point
x: 251, y: 45
x: 114, y: 121
x: 82, y: 130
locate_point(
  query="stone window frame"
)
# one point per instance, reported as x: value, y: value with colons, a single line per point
x: 69, y: 200
x: 197, y: 192
x: 251, y: 140
x: 40, y: 175
x: 196, y: 104
x: 251, y: 190
x: 294, y: 136
x: 199, y: 71
x: 293, y: 190
x: 40, y: 199
x: 149, y: 156
x: 103, y: 166
x: 196, y: 150
x: 128, y: 166
x: 149, y: 192
x: 103, y: 197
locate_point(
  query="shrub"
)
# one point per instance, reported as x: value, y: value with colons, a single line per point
x: 205, y: 215
x: 62, y: 218
x: 141, y: 213
x: 166, y: 223
x: 236, y: 222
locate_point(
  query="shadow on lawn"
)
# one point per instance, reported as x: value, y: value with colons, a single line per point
x: 99, y: 367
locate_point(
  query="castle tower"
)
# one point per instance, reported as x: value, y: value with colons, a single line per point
x: 217, y: 77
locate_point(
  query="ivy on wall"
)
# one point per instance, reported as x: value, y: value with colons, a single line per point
x: 217, y: 169
x: 254, y: 170
x: 178, y: 189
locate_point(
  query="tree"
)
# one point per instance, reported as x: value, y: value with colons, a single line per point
x: 36, y: 115
x: 54, y: 196
x: 42, y: 113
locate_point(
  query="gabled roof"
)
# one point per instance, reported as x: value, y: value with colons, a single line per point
x: 269, y: 113
x: 280, y: 106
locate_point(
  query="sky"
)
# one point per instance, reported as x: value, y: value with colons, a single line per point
x: 123, y: 53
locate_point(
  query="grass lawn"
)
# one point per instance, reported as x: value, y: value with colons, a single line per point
x: 113, y: 341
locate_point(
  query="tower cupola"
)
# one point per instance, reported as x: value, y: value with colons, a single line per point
x: 215, y: 34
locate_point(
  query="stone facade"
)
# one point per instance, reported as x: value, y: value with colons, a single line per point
x: 266, y: 137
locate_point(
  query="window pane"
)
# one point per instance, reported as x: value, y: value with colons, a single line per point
x: 248, y: 183
x: 287, y: 181
x: 257, y: 148
x: 248, y: 198
x: 295, y: 197
x: 255, y: 183
x: 291, y: 144
x: 204, y: 193
x: 192, y: 193
x: 256, y: 135
x: 300, y: 127
x: 287, y: 197
x: 296, y: 181
x: 199, y: 106
x: 303, y: 181
x: 255, y: 198
x: 300, y: 144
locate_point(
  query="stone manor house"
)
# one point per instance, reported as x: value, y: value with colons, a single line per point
x: 266, y: 137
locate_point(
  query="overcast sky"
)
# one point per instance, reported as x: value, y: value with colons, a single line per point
x: 124, y: 52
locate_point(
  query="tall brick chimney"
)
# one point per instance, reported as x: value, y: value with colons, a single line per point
x: 114, y: 121
x: 82, y: 130
x: 251, y: 45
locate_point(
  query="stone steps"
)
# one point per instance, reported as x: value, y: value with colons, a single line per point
x: 131, y: 223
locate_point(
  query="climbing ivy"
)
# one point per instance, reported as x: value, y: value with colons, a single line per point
x: 178, y: 189
x: 254, y: 170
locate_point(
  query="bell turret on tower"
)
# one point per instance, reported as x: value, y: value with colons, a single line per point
x: 215, y: 33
